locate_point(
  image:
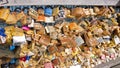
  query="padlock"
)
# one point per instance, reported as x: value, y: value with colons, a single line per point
x: 83, y: 24
x: 73, y: 26
x: 33, y: 13
x: 98, y: 31
x: 53, y: 35
x: 29, y: 32
x: 56, y: 62
x: 52, y: 49
x: 17, y: 40
x: 11, y: 19
x: 67, y: 42
x: 50, y: 29
x: 20, y: 15
x: 103, y: 11
x: 78, y: 12
x: 60, y: 48
x: 4, y: 13
x: 96, y: 9
x: 44, y: 40
x: 79, y: 41
x: 24, y: 20
x: 68, y: 13
x: 115, y: 23
x: 92, y: 11
x: 61, y: 14
x: 116, y: 40
x: 26, y: 28
x: 55, y: 11
x: 37, y: 26
x: 48, y: 65
x: 86, y: 11
x: 17, y: 32
x: 112, y: 9
x: 41, y: 18
x: 18, y: 66
x: 48, y: 11
x: 40, y: 11
x: 90, y: 40
x: 107, y: 38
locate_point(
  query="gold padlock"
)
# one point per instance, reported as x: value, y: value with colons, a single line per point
x: 33, y: 13
x: 11, y: 19
x: 40, y: 11
x: 114, y: 21
x: 24, y: 20
x: 4, y: 14
x: 20, y: 15
x: 55, y: 11
x: 112, y: 9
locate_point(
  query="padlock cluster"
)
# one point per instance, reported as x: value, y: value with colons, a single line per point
x: 59, y: 37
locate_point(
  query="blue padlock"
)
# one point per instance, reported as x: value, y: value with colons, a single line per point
x: 13, y: 61
x: 27, y: 57
x: 12, y: 47
x: 48, y: 11
x: 2, y: 30
x: 2, y: 34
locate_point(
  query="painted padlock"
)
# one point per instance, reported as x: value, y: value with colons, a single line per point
x: 48, y: 11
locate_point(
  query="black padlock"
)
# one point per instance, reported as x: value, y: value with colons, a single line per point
x: 6, y: 65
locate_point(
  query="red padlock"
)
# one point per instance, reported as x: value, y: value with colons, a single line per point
x: 23, y: 59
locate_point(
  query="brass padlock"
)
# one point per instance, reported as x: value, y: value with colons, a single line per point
x: 87, y: 12
x: 112, y: 9
x: 4, y: 13
x: 20, y: 15
x: 78, y: 12
x: 33, y: 13
x: 44, y: 40
x: 90, y: 40
x: 11, y: 19
x: 55, y: 11
x: 40, y: 11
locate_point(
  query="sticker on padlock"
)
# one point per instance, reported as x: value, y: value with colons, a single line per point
x: 68, y: 51
x: 116, y: 39
x: 28, y: 38
x: 106, y: 38
x: 17, y: 40
x: 49, y: 20
x: 79, y: 41
x: 100, y: 40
